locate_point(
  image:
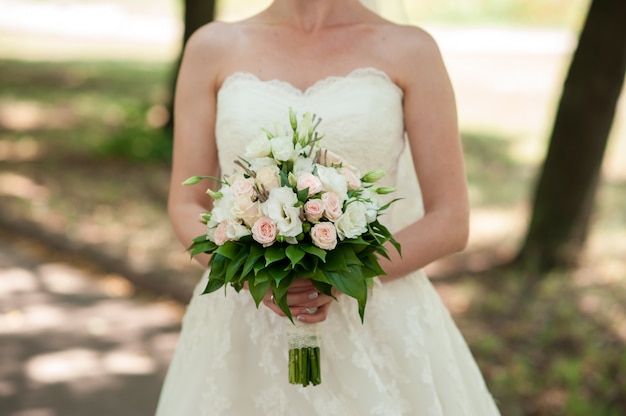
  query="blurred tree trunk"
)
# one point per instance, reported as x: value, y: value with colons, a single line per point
x: 197, y: 14
x: 566, y: 188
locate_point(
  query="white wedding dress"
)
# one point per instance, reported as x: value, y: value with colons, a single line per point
x: 408, y: 358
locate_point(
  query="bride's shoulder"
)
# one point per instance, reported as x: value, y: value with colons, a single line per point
x: 411, y: 41
x: 214, y: 37
x: 411, y: 51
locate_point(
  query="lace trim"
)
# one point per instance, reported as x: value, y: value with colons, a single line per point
x: 314, y: 88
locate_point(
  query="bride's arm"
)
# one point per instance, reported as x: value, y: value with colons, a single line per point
x: 432, y: 128
x: 195, y: 152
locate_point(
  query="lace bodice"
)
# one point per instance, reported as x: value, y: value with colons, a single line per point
x: 361, y: 116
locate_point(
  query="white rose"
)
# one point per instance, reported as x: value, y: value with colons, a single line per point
x: 258, y: 147
x: 282, y: 148
x: 268, y: 178
x: 280, y: 208
x: 246, y: 210
x: 353, y: 222
x: 332, y: 181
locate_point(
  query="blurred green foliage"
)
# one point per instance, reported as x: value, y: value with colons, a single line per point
x: 95, y: 109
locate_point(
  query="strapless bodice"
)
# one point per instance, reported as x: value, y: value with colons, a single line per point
x: 361, y: 116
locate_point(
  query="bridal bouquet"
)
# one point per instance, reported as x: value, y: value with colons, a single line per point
x: 295, y: 210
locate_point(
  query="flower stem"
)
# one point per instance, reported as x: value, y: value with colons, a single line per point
x: 304, y: 366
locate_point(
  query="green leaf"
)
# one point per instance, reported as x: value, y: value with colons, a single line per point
x: 213, y: 284
x: 387, y: 205
x: 303, y: 195
x: 218, y: 264
x: 319, y: 276
x: 259, y: 265
x: 201, y: 248
x: 278, y: 271
x: 316, y: 251
x: 325, y: 288
x: 229, y: 249
x: 256, y: 252
x: 274, y: 253
x: 350, y: 256
x: 280, y: 295
x: 352, y: 283
x: 262, y: 276
x: 372, y: 264
x: 258, y: 290
x: 335, y: 261
x: 200, y: 239
x: 236, y: 264
x: 295, y: 254
x: 396, y: 245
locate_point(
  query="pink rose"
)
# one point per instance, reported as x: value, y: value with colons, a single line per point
x: 313, y: 210
x: 354, y: 182
x: 324, y: 235
x: 246, y: 209
x: 264, y: 231
x: 332, y: 205
x: 244, y: 187
x: 308, y: 180
x: 220, y: 235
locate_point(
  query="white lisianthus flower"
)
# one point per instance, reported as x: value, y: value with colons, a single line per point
x: 262, y: 162
x: 280, y: 208
x: 258, y: 147
x: 332, y: 181
x: 353, y: 222
x: 304, y: 127
x: 302, y: 165
x: 372, y: 204
x: 222, y: 207
x: 211, y: 227
x: 235, y: 230
x: 282, y: 148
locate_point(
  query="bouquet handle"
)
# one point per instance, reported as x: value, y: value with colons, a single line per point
x: 304, y: 352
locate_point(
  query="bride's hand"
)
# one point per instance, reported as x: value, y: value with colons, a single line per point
x: 306, y: 304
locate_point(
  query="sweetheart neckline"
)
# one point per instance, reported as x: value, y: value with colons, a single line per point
x: 315, y: 86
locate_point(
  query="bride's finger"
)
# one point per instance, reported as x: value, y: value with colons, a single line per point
x: 313, y: 315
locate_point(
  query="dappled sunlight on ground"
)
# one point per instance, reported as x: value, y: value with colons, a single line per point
x: 76, y: 339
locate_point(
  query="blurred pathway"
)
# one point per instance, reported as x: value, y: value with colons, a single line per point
x: 74, y: 342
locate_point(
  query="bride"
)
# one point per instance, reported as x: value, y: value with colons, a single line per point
x: 373, y: 83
